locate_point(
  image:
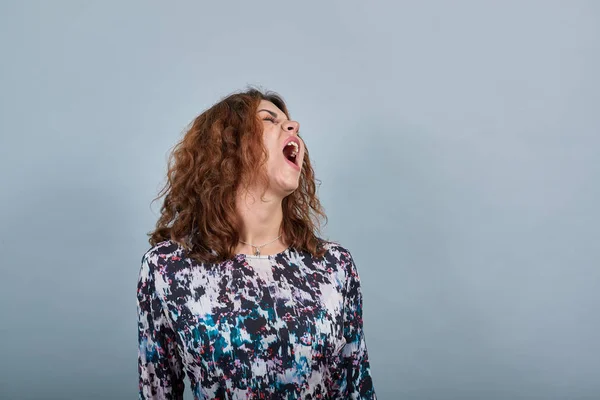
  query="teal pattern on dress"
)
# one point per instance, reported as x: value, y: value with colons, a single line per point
x: 285, y: 326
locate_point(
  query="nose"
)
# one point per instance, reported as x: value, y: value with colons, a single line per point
x: 291, y: 127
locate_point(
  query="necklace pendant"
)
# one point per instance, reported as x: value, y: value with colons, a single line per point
x: 257, y: 252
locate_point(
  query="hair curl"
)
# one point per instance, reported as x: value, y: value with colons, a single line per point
x: 221, y: 152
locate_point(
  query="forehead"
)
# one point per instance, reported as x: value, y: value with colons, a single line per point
x: 267, y: 105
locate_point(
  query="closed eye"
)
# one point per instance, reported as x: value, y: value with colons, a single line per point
x: 270, y: 117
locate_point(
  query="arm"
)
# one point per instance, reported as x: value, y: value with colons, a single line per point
x: 351, y: 373
x: 160, y: 368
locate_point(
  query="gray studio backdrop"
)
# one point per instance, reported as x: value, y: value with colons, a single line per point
x: 457, y: 143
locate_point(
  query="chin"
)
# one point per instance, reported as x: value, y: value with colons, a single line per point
x: 285, y: 189
x: 289, y: 190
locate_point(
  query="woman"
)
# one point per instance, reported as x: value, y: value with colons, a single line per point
x: 237, y: 290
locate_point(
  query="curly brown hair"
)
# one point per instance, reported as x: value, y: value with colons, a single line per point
x: 221, y: 152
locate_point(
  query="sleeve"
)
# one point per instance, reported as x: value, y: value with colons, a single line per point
x: 351, y: 373
x: 160, y: 368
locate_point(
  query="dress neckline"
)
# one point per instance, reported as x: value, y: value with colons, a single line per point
x: 284, y: 252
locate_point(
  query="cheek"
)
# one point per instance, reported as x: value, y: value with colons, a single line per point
x: 272, y: 150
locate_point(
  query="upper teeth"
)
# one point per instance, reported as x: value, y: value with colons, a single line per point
x: 295, y: 151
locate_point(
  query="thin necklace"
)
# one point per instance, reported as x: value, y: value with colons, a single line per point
x: 257, y: 248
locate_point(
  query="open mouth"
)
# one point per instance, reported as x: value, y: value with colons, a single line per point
x: 290, y: 151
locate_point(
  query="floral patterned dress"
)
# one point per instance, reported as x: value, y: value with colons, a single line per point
x: 283, y: 326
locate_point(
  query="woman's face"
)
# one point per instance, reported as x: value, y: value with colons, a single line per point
x: 284, y: 147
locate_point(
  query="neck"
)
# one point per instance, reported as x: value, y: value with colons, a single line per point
x: 260, y: 222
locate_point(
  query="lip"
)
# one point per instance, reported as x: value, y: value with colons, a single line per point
x: 292, y: 164
x: 297, y: 141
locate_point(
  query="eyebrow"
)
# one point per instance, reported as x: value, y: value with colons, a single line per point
x: 274, y: 115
